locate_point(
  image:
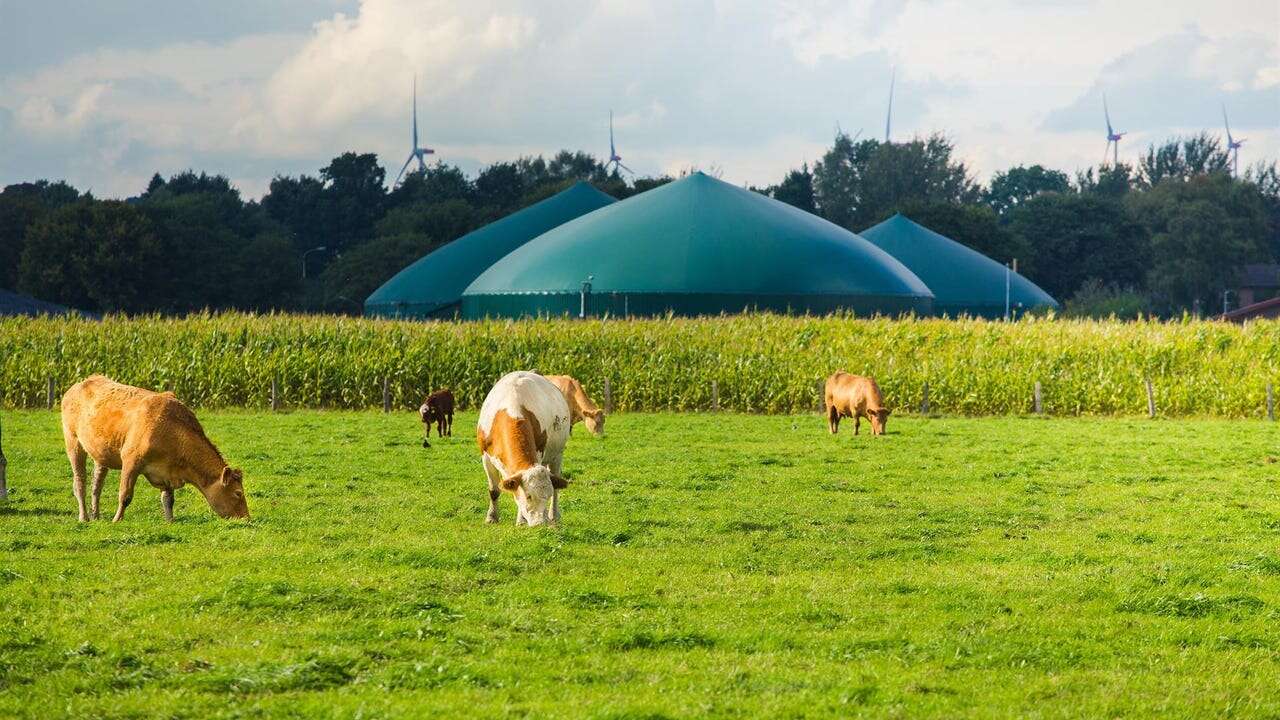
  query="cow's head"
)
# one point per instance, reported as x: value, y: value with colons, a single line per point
x: 594, y: 420
x: 226, y: 496
x: 533, y: 489
x: 426, y: 413
x: 879, y: 418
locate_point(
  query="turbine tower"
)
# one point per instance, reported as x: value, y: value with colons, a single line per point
x: 888, y: 118
x: 614, y: 158
x: 1113, y: 137
x: 417, y: 152
x: 1233, y: 144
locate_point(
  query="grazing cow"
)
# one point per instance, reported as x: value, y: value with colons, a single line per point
x: 580, y: 406
x: 437, y: 408
x: 140, y: 432
x: 856, y: 397
x: 523, y: 428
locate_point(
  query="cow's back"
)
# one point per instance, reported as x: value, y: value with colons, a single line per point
x: 107, y: 417
x: 853, y: 393
x: 574, y: 395
x: 524, y: 393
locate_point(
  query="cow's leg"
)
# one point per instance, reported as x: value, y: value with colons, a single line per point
x: 833, y: 419
x: 99, y: 477
x: 166, y: 501
x: 495, y: 488
x: 448, y: 427
x: 76, y: 454
x: 128, y: 478
x: 555, y: 492
x: 440, y: 427
x: 857, y: 421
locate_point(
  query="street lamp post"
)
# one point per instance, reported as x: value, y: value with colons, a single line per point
x: 322, y: 248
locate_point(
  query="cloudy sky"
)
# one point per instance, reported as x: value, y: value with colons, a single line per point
x: 104, y: 94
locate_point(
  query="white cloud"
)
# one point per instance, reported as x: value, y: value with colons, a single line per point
x: 751, y: 86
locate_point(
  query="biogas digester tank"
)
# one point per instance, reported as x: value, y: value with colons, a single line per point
x: 697, y: 246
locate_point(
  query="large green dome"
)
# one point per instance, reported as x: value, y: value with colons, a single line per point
x: 963, y: 280
x: 694, y: 247
x: 434, y: 284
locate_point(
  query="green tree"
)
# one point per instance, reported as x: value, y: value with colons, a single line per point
x: 94, y: 255
x: 855, y: 183
x: 353, y: 277
x: 1071, y: 238
x: 1202, y: 230
x: 355, y: 194
x: 1182, y: 158
x: 300, y: 205
x: 796, y: 189
x: 21, y: 205
x: 1018, y: 184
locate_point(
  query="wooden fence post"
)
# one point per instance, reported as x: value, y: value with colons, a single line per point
x: 608, y: 397
x: 715, y: 397
x: 49, y: 393
x: 1271, y: 405
x: 386, y: 393
x: 1039, y: 406
x: 275, y: 394
x: 924, y: 402
x: 1151, y: 399
x: 4, y: 466
x: 822, y: 396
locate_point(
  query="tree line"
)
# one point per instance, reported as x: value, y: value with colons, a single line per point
x: 1164, y: 235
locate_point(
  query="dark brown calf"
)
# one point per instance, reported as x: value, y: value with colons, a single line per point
x: 437, y: 408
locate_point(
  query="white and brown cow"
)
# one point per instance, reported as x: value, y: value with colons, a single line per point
x: 523, y: 428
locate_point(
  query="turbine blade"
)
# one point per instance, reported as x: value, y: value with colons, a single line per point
x: 415, y: 111
x: 1107, y: 114
x: 888, y: 118
x: 1226, y: 122
x: 402, y: 167
x: 624, y: 167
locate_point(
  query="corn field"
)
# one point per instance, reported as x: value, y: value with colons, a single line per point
x: 758, y: 363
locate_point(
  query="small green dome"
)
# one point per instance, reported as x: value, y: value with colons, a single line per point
x: 693, y: 247
x: 963, y: 280
x: 434, y: 283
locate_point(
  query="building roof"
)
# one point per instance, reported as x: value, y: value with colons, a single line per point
x: 963, y: 280
x: 434, y: 283
x: 697, y: 246
x: 12, y: 303
x: 1265, y: 309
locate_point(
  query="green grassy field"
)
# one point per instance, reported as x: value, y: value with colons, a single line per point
x: 707, y: 566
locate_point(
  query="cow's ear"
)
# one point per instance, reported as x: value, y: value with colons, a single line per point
x: 226, y: 475
x: 510, y: 483
x: 558, y: 482
x: 887, y: 412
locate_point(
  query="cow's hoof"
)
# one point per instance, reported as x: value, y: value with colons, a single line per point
x: 491, y: 520
x: 426, y: 444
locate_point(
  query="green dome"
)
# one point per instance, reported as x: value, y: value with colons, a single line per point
x: 963, y: 280
x: 694, y: 247
x: 434, y: 284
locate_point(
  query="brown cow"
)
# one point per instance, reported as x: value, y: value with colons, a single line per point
x: 437, y: 408
x: 140, y: 432
x: 580, y: 406
x: 856, y: 397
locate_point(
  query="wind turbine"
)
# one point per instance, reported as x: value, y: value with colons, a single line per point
x: 614, y: 158
x: 417, y: 152
x: 1113, y: 137
x: 1233, y: 145
x: 888, y: 118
